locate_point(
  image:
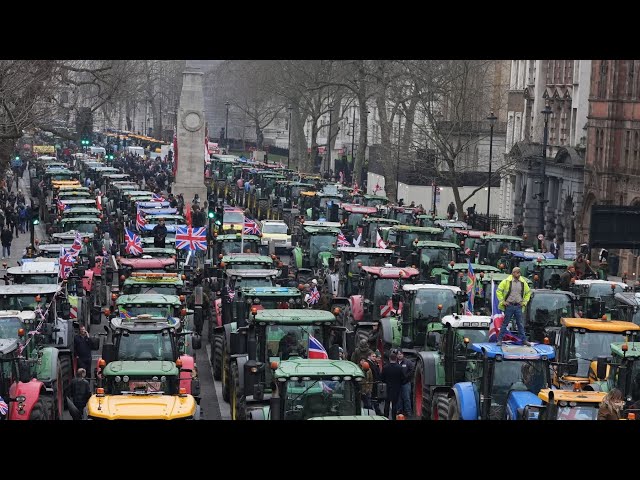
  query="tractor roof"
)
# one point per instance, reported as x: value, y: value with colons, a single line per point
x: 391, y: 272
x: 443, y: 223
x: 144, y: 323
x: 471, y: 233
x: 26, y: 289
x: 251, y: 258
x: 633, y: 349
x: 582, y: 396
x: 599, y: 325
x: 154, y: 278
x: 628, y: 298
x: 466, y: 321
x: 515, y: 352
x: 477, y: 267
x: 71, y: 235
x: 23, y: 315
x: 36, y: 268
x: 354, y: 208
x: 84, y: 219
x: 236, y: 237
x: 270, y: 291
x: 317, y: 369
x: 370, y: 250
x: 139, y: 368
x: 148, y: 299
x: 524, y: 255
x: 295, y: 316
x: 429, y: 286
x: 601, y: 282
x: 314, y: 230
x: 413, y: 228
x: 555, y: 263
x: 142, y: 263
x: 317, y: 223
x: 435, y: 244
x: 351, y: 417
x: 388, y: 221
x: 507, y: 238
x: 262, y: 272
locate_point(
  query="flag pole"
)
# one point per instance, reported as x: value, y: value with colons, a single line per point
x: 242, y: 236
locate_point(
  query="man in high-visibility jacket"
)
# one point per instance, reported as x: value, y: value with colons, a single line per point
x: 513, y: 294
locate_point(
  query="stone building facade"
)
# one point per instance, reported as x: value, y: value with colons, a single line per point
x: 563, y: 85
x: 612, y: 165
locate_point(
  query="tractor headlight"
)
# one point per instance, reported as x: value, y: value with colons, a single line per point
x: 117, y: 379
x: 125, y: 378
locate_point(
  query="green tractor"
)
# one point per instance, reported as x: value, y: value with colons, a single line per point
x: 494, y: 249
x: 230, y: 244
x: 315, y: 389
x: 314, y: 247
x: 403, y: 238
x: 343, y: 279
x: 433, y: 259
x: 235, y: 310
x: 624, y: 372
x: 370, y: 227
x: 272, y: 336
x: 443, y: 359
x: 546, y: 272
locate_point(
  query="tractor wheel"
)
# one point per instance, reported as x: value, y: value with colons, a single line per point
x: 238, y: 404
x: 225, y: 372
x: 440, y: 407
x: 66, y: 367
x: 216, y: 356
x: 361, y: 334
x: 40, y: 410
x: 58, y: 394
x: 454, y: 411
x: 421, y: 402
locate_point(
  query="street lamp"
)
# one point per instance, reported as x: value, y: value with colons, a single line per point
x: 353, y: 139
x: 289, y: 141
x: 398, y: 160
x: 326, y: 169
x: 546, y: 112
x: 226, y: 126
x: 492, y: 120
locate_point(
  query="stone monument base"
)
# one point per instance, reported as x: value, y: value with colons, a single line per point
x: 188, y: 191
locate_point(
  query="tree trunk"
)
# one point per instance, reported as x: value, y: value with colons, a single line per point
x: 259, y: 136
x: 157, y: 118
x: 311, y: 159
x: 298, y: 140
x: 334, y: 128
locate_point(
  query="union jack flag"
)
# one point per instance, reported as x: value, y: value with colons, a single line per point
x: 76, y: 248
x: 157, y: 198
x: 140, y: 220
x: 124, y: 314
x: 376, y: 189
x: 342, y: 240
x: 250, y: 227
x: 396, y: 286
x: 62, y: 206
x: 497, y: 318
x: 66, y: 263
x: 134, y: 243
x: 379, y: 242
x: 4, y: 408
x: 314, y: 296
x: 316, y: 350
x: 231, y: 293
x: 189, y: 238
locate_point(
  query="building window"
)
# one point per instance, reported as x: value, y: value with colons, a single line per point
x: 630, y: 80
x: 636, y: 147
x: 627, y: 141
x: 602, y: 84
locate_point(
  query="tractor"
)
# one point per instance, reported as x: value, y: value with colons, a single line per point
x: 343, y: 279
x: 272, y: 336
x: 545, y: 310
x: 597, y: 297
x: 314, y: 247
x: 546, y: 272
x: 628, y: 306
x: 500, y: 381
x: 403, y: 238
x: 370, y: 227
x: 565, y: 405
x: 624, y: 372
x: 433, y: 259
x: 315, y: 389
x: 235, y: 243
x: 442, y: 360
x: 494, y: 249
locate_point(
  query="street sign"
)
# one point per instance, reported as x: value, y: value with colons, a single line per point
x: 570, y: 250
x: 540, y: 237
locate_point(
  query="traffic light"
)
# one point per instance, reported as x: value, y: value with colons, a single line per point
x: 212, y: 212
x: 35, y: 217
x: 17, y: 157
x: 85, y: 142
x: 110, y: 156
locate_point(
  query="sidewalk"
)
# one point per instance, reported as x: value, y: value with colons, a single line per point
x: 19, y: 244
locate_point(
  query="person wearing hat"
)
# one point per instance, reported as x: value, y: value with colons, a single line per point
x: 159, y: 234
x: 361, y: 352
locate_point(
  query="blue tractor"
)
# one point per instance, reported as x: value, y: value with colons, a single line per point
x: 501, y: 381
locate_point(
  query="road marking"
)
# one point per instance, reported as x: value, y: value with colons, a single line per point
x: 224, y: 407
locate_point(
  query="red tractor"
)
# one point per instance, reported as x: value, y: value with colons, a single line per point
x: 374, y: 300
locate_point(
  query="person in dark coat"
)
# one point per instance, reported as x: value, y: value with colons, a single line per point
x: 393, y: 376
x: 82, y: 346
x: 80, y: 393
x: 361, y: 352
x: 159, y: 234
x: 565, y: 278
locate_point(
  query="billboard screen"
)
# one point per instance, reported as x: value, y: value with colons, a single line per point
x: 615, y: 226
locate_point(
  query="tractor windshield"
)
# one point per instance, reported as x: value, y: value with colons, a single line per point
x: 163, y: 311
x: 19, y: 302
x: 253, y: 282
x: 236, y: 246
x: 9, y: 327
x: 32, y: 279
x: 551, y: 277
x: 366, y: 260
x: 284, y: 341
x: 495, y: 248
x: 603, y: 290
x: 436, y: 257
x: 425, y: 305
x: 383, y: 290
x: 319, y: 398
x: 577, y: 412
x: 519, y: 375
x: 150, y: 289
x: 548, y: 309
x: 80, y: 227
x: 145, y: 346
x: 587, y: 346
x: 404, y: 218
x: 322, y: 242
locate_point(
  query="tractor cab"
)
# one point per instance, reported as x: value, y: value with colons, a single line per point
x: 165, y: 283
x: 235, y: 243
x: 433, y: 259
x: 545, y: 310
x: 344, y: 278
x: 628, y: 306
x: 315, y: 245
x: 352, y: 215
x: 546, y: 272
x: 403, y: 238
x: 83, y: 224
x: 35, y: 271
x: 597, y: 297
x: 565, y: 405
x: 370, y: 226
x: 404, y: 215
x: 494, y: 249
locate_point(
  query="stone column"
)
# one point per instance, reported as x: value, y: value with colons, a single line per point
x: 531, y: 207
x: 517, y: 198
x: 550, y: 210
x: 191, y: 129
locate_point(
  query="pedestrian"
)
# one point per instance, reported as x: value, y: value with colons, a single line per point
x: 159, y: 234
x: 513, y: 294
x: 451, y: 211
x: 611, y: 406
x: 361, y: 352
x: 367, y: 385
x: 80, y: 393
x: 82, y: 346
x: 519, y: 230
x: 582, y: 267
x: 393, y: 376
x: 554, y: 248
x: 405, y: 393
x: 373, y: 361
x: 6, y: 237
x: 565, y: 278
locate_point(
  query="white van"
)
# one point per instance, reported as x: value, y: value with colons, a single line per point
x: 97, y: 151
x: 135, y: 150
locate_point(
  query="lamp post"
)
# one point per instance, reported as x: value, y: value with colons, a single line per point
x: 326, y: 169
x: 289, y: 141
x: 398, y: 160
x: 546, y: 112
x: 353, y: 139
x: 492, y: 120
x: 226, y: 126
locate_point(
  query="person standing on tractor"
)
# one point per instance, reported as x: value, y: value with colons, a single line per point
x: 565, y: 278
x: 513, y: 294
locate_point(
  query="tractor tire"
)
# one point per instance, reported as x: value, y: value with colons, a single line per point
x: 225, y: 372
x: 216, y: 356
x: 361, y: 334
x: 41, y: 410
x: 58, y: 394
x: 421, y: 399
x: 440, y: 407
x: 454, y: 412
x: 238, y: 404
